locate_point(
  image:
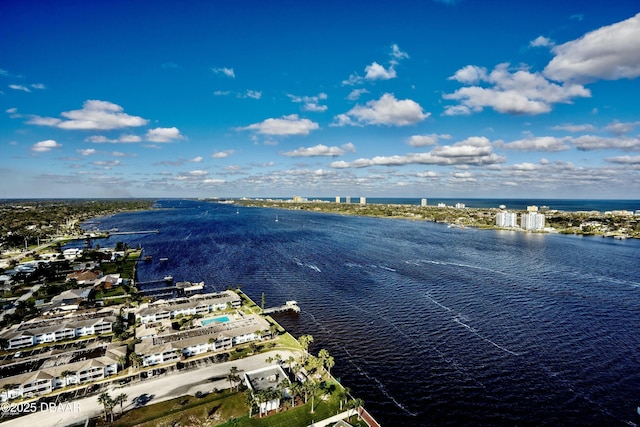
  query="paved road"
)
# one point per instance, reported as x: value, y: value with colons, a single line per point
x: 24, y: 297
x: 154, y: 390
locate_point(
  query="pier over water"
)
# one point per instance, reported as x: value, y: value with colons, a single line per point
x: 288, y: 306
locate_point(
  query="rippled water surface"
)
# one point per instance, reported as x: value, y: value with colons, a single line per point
x: 429, y: 325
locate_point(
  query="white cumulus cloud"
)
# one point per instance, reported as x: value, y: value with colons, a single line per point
x: 286, y: 125
x: 611, y: 52
x: 376, y: 71
x: 20, y: 88
x: 624, y: 160
x: 222, y: 154
x: 387, y: 111
x: 476, y: 151
x: 163, y: 134
x: 541, y: 41
x: 541, y: 143
x: 425, y: 140
x: 44, y: 146
x: 321, y: 150
x: 94, y: 115
x: 101, y: 139
x: 224, y: 71
x: 517, y: 92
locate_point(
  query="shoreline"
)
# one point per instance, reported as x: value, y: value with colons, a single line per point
x: 479, y: 218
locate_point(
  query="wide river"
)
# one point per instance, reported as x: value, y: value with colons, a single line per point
x: 429, y: 325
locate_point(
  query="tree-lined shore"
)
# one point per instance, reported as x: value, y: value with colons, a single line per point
x: 583, y: 223
x: 29, y: 222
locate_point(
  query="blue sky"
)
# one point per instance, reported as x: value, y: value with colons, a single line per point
x: 320, y: 98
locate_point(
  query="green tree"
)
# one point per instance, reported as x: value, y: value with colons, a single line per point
x: 121, y: 398
x: 251, y: 401
x: 233, y: 377
x: 290, y: 361
x: 135, y: 360
x: 66, y: 374
x: 304, y: 341
x: 312, y: 388
x: 106, y: 401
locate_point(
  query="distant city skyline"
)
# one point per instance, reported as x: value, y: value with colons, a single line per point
x: 416, y: 99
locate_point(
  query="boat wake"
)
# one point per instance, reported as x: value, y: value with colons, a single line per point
x: 419, y: 262
x: 351, y: 360
x: 379, y: 384
x: 430, y: 298
x: 311, y: 266
x: 459, y: 320
x: 448, y: 360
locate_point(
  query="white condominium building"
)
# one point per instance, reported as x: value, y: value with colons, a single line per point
x: 532, y: 221
x: 506, y: 219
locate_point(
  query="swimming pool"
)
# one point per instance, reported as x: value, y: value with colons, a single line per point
x: 221, y: 319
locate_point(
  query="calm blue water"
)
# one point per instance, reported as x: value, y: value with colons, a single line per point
x: 429, y: 325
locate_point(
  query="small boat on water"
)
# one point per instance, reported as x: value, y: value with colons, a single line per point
x: 148, y: 258
x: 164, y: 259
x: 276, y: 218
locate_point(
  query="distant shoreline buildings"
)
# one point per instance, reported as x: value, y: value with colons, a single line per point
x: 532, y: 220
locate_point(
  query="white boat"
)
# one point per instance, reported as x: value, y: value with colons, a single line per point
x: 276, y: 218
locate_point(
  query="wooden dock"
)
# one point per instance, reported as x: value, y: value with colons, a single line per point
x: 288, y: 306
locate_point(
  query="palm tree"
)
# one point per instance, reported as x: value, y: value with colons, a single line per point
x: 323, y: 354
x: 233, y: 376
x: 283, y: 387
x: 261, y: 397
x: 122, y: 361
x: 65, y: 374
x: 251, y: 401
x: 7, y: 387
x: 121, y: 398
x: 273, y: 330
x: 290, y: 361
x: 344, y: 396
x: 135, y: 360
x: 329, y: 363
x: 105, y: 400
x: 304, y: 341
x: 357, y: 403
x: 312, y: 387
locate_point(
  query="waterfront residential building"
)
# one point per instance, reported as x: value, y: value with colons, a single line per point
x: 532, y: 208
x: 506, y: 219
x: 337, y: 199
x: 196, y: 304
x: 423, y: 202
x: 266, y: 379
x: 460, y: 205
x: 363, y: 200
x: 171, y: 347
x: 33, y: 333
x: 347, y: 199
x: 61, y: 374
x: 532, y: 221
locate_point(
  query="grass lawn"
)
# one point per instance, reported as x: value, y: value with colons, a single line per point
x: 223, y: 409
x: 214, y: 406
